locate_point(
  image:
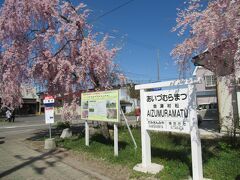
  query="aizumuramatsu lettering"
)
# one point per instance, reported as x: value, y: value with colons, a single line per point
x: 183, y: 113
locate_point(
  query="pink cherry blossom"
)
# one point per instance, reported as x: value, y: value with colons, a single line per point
x: 49, y: 43
x: 212, y: 27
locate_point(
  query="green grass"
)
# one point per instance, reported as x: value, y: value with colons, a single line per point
x: 220, y: 161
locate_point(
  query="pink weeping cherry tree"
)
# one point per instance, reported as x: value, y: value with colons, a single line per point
x: 50, y: 43
x: 212, y: 30
x: 210, y: 26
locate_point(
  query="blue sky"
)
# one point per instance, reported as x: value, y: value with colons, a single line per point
x: 141, y: 27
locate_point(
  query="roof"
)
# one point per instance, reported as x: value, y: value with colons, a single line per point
x: 220, y: 64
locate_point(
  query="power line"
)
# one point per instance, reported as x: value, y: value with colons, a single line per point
x: 130, y: 40
x: 112, y: 10
x: 120, y: 34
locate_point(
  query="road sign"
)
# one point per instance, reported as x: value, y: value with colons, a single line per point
x: 48, y: 100
x: 49, y: 109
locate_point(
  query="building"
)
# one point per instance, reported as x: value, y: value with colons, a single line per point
x: 206, y: 90
x: 228, y: 92
x: 31, y: 102
x: 127, y: 103
x: 206, y: 97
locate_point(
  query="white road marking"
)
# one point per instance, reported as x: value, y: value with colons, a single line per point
x: 23, y: 126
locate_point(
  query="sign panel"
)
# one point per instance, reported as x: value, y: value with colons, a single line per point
x: 49, y: 115
x: 48, y: 100
x: 100, y: 106
x: 49, y: 109
x: 166, y: 110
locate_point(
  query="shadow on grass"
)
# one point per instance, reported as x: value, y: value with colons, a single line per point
x: 109, y: 142
x: 214, y: 146
x: 180, y: 148
x: 237, y: 177
x: 179, y: 155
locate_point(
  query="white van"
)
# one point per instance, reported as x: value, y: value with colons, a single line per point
x: 207, y: 112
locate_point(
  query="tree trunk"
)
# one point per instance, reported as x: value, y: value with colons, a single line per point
x: 104, y: 125
x: 105, y: 130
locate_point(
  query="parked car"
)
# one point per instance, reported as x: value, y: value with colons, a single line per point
x: 207, y: 112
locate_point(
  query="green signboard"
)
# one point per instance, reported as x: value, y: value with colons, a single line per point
x: 100, y: 106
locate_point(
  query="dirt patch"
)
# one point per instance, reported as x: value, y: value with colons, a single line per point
x: 36, y: 145
x: 113, y: 171
x: 83, y: 161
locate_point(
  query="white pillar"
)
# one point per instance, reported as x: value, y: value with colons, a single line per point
x: 146, y: 149
x: 86, y: 133
x: 195, y: 137
x: 145, y: 137
x: 115, y: 140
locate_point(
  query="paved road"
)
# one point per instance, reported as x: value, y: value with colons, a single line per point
x: 19, y: 161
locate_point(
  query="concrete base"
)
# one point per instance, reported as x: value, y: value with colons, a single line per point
x: 50, y: 144
x: 152, y: 168
x: 66, y: 133
x: 190, y: 178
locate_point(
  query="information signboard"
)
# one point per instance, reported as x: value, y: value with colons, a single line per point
x: 100, y: 106
x: 167, y: 110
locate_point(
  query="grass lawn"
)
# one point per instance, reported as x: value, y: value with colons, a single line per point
x: 220, y: 161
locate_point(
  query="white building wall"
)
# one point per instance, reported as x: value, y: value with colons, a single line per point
x: 125, y: 97
x: 201, y: 72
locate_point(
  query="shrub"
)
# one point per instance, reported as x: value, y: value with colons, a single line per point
x: 63, y: 125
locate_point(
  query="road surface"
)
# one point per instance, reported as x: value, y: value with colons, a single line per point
x: 19, y: 161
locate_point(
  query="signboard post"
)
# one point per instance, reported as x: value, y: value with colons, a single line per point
x: 86, y: 133
x: 101, y: 106
x: 172, y: 110
x: 115, y: 139
x: 49, y: 112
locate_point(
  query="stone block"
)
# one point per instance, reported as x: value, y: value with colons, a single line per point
x: 66, y: 133
x: 50, y: 144
x: 152, y: 168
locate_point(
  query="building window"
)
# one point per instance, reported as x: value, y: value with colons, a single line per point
x: 210, y: 81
